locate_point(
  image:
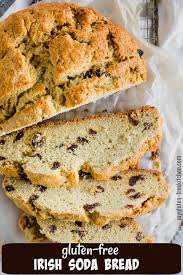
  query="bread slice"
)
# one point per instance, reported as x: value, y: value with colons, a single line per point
x: 59, y: 57
x: 54, y: 154
x: 57, y: 231
x: 131, y: 193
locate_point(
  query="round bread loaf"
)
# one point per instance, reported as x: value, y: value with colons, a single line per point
x: 56, y: 57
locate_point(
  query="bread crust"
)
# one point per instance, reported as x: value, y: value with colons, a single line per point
x: 58, y: 178
x: 96, y: 217
x: 73, y: 52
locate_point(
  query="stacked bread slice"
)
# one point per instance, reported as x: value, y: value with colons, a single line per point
x: 78, y: 180
x: 131, y: 193
x: 122, y: 231
x: 55, y: 154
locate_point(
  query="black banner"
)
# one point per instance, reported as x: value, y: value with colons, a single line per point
x: 91, y: 258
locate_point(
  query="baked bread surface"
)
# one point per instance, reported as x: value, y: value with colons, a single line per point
x: 56, y: 57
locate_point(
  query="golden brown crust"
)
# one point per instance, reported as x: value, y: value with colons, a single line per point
x: 138, y: 111
x: 52, y: 180
x: 9, y: 170
x: 75, y: 53
x: 41, y: 108
x: 97, y: 218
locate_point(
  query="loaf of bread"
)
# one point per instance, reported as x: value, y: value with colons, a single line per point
x: 57, y: 231
x: 55, y: 154
x: 128, y: 194
x: 56, y: 57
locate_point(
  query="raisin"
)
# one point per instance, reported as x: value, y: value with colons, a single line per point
x: 38, y: 141
x: 129, y: 206
x: 123, y: 225
x: 155, y: 154
x: 2, y: 158
x: 55, y: 165
x: 46, y: 46
x: 2, y: 142
x: 82, y: 233
x: 133, y: 180
x: 70, y: 78
x: 147, y: 126
x: 27, y: 223
x: 82, y: 140
x: 89, y: 207
x: 9, y: 188
x: 73, y: 35
x: 61, y: 145
x: 107, y: 74
x: 100, y: 189
x: 135, y: 196
x: 33, y: 198
x: 133, y: 119
x: 99, y: 73
x: 52, y: 228
x: 78, y: 223
x: 89, y: 74
x: 42, y: 188
x: 130, y: 191
x: 110, y: 36
x: 140, y: 52
x: 24, y: 176
x: 116, y: 177
x: 92, y: 132
x: 107, y: 226
x: 63, y: 96
x: 139, y: 236
x: 19, y: 136
x: 72, y: 147
x: 38, y: 155
x: 83, y: 174
x: 79, y: 232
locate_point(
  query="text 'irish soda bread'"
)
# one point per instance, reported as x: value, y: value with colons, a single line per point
x: 56, y: 57
x: 53, y: 154
x: 131, y: 193
x: 123, y: 231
